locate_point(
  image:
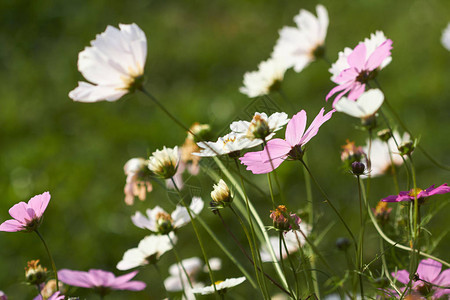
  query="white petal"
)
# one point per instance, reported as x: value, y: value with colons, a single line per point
x: 196, y: 205
x: 141, y: 221
x: 371, y: 101
x: 132, y: 258
x: 180, y: 216
x: 349, y: 107
x: 86, y: 92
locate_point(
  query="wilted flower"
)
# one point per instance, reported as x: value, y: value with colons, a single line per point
x: 267, y: 79
x: 351, y: 153
x: 148, y: 251
x: 420, y: 194
x: 114, y: 64
x: 260, y: 127
x: 35, y: 274
x: 27, y: 216
x: 445, y: 39
x: 202, y: 132
x: 221, y: 286
x: 164, y: 162
x: 382, y: 212
x: 292, y: 244
x: 365, y: 107
x: 279, y: 150
x: 159, y: 221
x: 138, y: 180
x: 221, y: 194
x: 49, y: 290
x: 284, y: 221
x: 429, y: 277
x: 363, y: 66
x: 101, y: 281
x: 302, y: 45
x: 230, y: 143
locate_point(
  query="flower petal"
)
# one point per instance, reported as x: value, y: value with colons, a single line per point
x: 11, y: 226
x: 401, y: 276
x: 75, y: 278
x: 295, y: 128
x: 429, y: 269
x: 274, y: 149
x: 39, y: 203
x: 313, y: 129
x: 379, y: 55
x: 19, y: 212
x: 86, y: 92
x: 358, y: 57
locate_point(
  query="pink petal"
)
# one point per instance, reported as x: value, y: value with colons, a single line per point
x: 256, y: 165
x: 75, y: 278
x: 11, y: 226
x: 101, y: 277
x: 277, y: 148
x: 429, y: 269
x: 346, y: 75
x: 401, y: 276
x: 19, y: 212
x: 357, y: 90
x: 379, y: 55
x: 313, y: 129
x: 295, y: 128
x: 358, y: 57
x: 344, y: 86
x: 443, y: 279
x: 442, y: 189
x: 123, y: 283
x: 39, y: 203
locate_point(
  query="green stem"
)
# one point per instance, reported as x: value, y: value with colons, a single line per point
x: 297, y: 291
x: 197, y: 234
x: 359, y: 259
x: 327, y: 200
x: 265, y: 237
x: 181, y: 268
x: 276, y: 178
x: 161, y: 279
x: 280, y: 245
x: 50, y: 257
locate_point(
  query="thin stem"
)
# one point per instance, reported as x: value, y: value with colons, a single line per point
x: 361, y: 240
x: 180, y: 271
x: 50, y: 257
x: 327, y: 200
x: 161, y: 279
x: 280, y: 245
x: 297, y: 291
x: 275, y: 175
x: 385, y: 268
x: 197, y: 234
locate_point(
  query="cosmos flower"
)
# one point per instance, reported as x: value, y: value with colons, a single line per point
x: 429, y: 273
x: 380, y: 154
x: 291, y: 148
x: 268, y: 78
x: 291, y: 243
x: 27, y: 216
x: 221, y: 194
x: 221, y: 286
x: 101, y: 281
x: 138, y: 180
x: 364, y: 107
x: 445, y: 39
x: 114, y: 64
x: 261, y: 126
x: 164, y: 162
x: 299, y: 46
x: 3, y: 296
x: 177, y: 281
x: 159, y: 221
x: 419, y: 193
x: 228, y: 144
x: 148, y: 251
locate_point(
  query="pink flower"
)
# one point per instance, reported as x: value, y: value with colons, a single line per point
x: 27, y: 216
x: 420, y: 194
x: 55, y: 296
x: 428, y: 271
x: 361, y: 70
x: 101, y: 281
x: 280, y: 150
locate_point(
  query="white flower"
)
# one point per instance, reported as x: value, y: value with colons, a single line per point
x: 221, y: 192
x: 158, y: 220
x: 113, y: 64
x: 229, y: 143
x: 220, y: 285
x: 178, y: 281
x: 366, y: 105
x: 380, y: 158
x: 164, y: 162
x: 290, y: 238
x: 136, y: 184
x: 297, y: 46
x: 260, y: 122
x: 269, y: 75
x: 445, y: 39
x: 148, y: 251
x: 375, y: 40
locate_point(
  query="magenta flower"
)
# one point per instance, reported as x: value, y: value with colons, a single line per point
x: 291, y: 148
x: 430, y: 276
x: 420, y: 194
x: 101, y: 281
x: 26, y: 216
x: 361, y: 70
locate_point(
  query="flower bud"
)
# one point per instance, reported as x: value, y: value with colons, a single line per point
x: 358, y: 168
x: 384, y: 135
x: 221, y: 194
x: 35, y: 274
x: 342, y: 243
x: 164, y: 162
x: 406, y: 148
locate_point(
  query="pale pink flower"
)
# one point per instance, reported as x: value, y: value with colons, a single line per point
x: 27, y: 216
x: 101, y: 281
x: 428, y: 271
x: 290, y: 148
x: 362, y: 68
x: 114, y: 64
x: 138, y: 182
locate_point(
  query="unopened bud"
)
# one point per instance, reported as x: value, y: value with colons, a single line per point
x: 384, y: 135
x: 342, y: 243
x: 221, y: 194
x: 358, y: 168
x: 35, y: 274
x: 406, y: 148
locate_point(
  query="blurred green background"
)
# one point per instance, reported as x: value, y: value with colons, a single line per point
x: 198, y: 52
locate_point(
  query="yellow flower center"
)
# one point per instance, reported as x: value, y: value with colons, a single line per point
x: 414, y: 192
